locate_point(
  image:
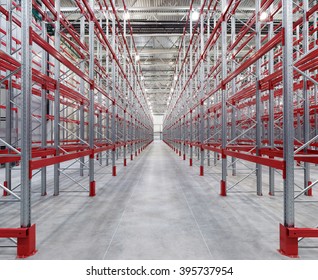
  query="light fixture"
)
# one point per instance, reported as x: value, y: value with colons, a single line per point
x: 142, y: 78
x: 171, y: 90
x: 195, y: 15
x: 137, y: 57
x: 263, y: 16
x: 126, y: 15
x: 175, y: 77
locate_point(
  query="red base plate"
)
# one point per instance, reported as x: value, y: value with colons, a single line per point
x: 27, y: 245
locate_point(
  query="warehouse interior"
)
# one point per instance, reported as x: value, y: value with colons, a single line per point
x: 160, y: 129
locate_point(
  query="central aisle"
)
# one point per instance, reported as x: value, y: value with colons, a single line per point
x: 156, y: 208
x: 158, y: 222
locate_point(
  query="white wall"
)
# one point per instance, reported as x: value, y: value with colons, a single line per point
x: 157, y: 122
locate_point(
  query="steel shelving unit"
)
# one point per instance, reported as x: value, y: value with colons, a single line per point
x: 78, y: 95
x: 245, y: 93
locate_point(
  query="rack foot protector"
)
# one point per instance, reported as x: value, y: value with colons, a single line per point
x: 26, y: 245
x: 288, y: 244
x: 201, y: 170
x: 92, y: 188
x: 223, y: 188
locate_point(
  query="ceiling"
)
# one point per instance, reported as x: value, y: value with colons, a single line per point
x: 157, y: 28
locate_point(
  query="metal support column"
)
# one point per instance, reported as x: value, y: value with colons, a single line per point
x: 306, y: 101
x: 8, y: 117
x: 57, y: 38
x: 191, y: 92
x: 82, y: 91
x: 107, y: 101
x: 91, y: 103
x: 288, y: 246
x: 113, y: 120
x: 271, y: 107
x: 26, y: 246
x: 208, y: 121
x: 126, y: 96
x: 258, y: 98
x: 233, y: 109
x: 44, y: 69
x: 201, y: 94
x: 224, y: 96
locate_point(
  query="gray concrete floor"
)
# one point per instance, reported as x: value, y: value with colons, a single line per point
x: 157, y: 208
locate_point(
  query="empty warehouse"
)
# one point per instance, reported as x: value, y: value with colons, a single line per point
x: 158, y: 130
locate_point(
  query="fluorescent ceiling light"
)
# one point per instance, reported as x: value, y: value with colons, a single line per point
x: 263, y: 16
x: 126, y: 15
x: 195, y: 15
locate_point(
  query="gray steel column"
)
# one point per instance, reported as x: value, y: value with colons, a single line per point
x: 185, y: 103
x: 271, y: 108
x: 113, y: 120
x: 26, y: 135
x: 57, y: 99
x: 126, y: 96
x: 298, y: 131
x: 91, y: 101
x: 233, y: 113
x: 259, y: 109
x: 44, y: 132
x: 8, y: 117
x: 201, y: 127
x: 288, y: 113
x: 100, y: 79
x: 117, y: 82
x: 82, y: 91
x: 191, y: 92
x: 107, y: 101
x: 306, y: 101
x: 208, y: 89
x: 216, y: 56
x: 224, y: 96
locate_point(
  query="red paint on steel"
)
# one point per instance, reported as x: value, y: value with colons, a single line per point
x: 288, y: 245
x: 223, y: 188
x: 26, y: 246
x: 92, y: 188
x: 201, y: 170
x: 5, y: 193
x: 309, y: 192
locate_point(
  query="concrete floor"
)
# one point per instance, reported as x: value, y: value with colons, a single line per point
x: 157, y: 208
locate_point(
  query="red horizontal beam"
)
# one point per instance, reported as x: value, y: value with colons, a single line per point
x: 39, y: 163
x: 13, y: 232
x: 302, y: 232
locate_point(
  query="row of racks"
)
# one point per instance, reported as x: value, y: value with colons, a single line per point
x: 71, y: 101
x: 245, y: 94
